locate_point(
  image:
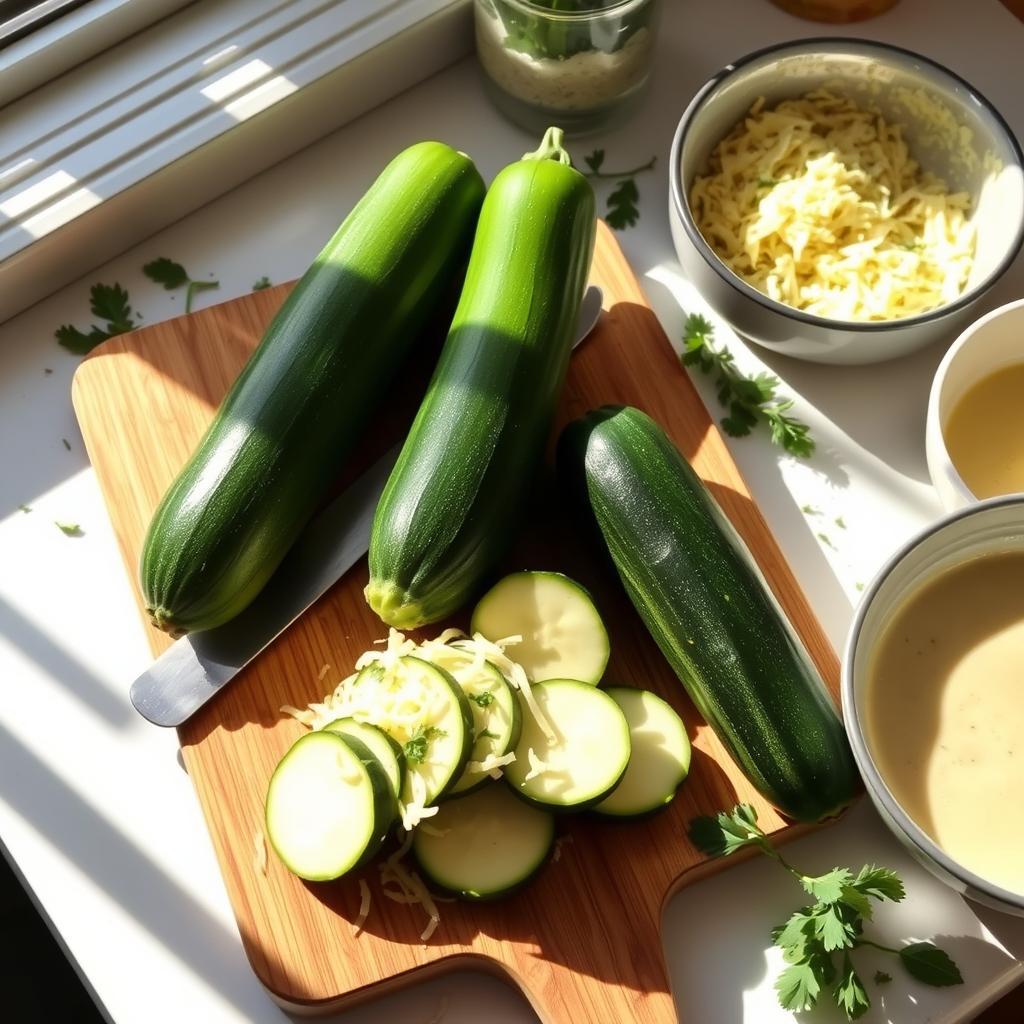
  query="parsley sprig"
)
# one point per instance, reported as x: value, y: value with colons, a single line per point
x: 415, y: 749
x: 622, y: 200
x: 108, y: 303
x: 832, y: 924
x: 749, y: 400
x: 173, y: 275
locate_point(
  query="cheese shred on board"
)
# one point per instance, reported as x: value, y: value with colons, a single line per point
x: 818, y: 204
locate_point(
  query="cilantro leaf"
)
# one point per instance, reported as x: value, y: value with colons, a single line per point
x: 850, y: 993
x: 110, y: 303
x: 834, y: 927
x: 260, y: 283
x: 25, y: 508
x: 77, y: 341
x: 796, y: 931
x: 727, y: 832
x: 827, y: 888
x: 881, y: 883
x: 882, y: 978
x: 416, y: 748
x: 797, y: 987
x: 482, y: 700
x: 166, y: 272
x: 857, y: 901
x: 931, y: 965
x: 622, y: 211
x: 68, y: 529
x: 173, y: 275
x: 748, y: 400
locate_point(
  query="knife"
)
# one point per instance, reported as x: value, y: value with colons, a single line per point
x: 196, y: 667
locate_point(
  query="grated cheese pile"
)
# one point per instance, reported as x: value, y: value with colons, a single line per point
x: 395, y: 701
x: 818, y: 204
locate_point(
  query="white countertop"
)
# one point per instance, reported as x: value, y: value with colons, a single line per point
x: 94, y: 810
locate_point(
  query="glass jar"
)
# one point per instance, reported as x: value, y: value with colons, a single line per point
x: 576, y: 64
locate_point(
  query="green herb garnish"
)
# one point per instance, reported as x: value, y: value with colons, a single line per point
x: 826, y: 540
x: 108, y: 303
x: 833, y: 923
x: 749, y: 400
x: 260, y: 283
x: 25, y: 508
x: 882, y: 978
x: 622, y: 201
x: 810, y: 510
x: 415, y: 749
x: 840, y: 522
x: 173, y: 275
x: 482, y: 700
x: 68, y: 529
x: 66, y: 443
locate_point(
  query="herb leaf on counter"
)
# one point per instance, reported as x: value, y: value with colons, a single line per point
x: 260, y: 283
x: 749, y: 400
x: 622, y: 209
x: 108, y: 302
x: 835, y: 921
x: 173, y: 275
x: 68, y: 529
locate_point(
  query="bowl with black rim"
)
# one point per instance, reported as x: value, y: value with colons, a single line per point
x: 951, y: 130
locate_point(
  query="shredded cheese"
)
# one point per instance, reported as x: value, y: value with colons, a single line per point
x: 818, y: 204
x: 259, y: 858
x: 410, y: 887
x: 492, y: 764
x: 364, y: 907
x: 323, y: 672
x: 538, y: 766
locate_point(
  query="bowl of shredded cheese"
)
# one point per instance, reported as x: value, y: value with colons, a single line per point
x: 844, y: 201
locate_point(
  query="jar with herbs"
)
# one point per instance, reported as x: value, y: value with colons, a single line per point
x: 578, y: 64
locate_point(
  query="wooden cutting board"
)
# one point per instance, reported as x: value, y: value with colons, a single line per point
x: 583, y: 941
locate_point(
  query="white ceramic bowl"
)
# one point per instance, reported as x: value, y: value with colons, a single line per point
x: 951, y: 129
x: 989, y: 344
x: 993, y: 525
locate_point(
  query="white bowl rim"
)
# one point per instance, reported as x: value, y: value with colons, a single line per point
x: 840, y: 44
x: 933, y: 422
x: 854, y: 730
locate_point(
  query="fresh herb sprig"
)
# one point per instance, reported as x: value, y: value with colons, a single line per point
x: 107, y: 302
x: 173, y: 276
x: 833, y: 923
x: 261, y: 283
x: 622, y: 211
x: 416, y: 748
x: 749, y: 400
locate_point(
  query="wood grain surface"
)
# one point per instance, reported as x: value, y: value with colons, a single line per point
x: 582, y: 942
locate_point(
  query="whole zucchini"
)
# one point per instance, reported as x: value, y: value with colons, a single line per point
x: 699, y: 592
x: 451, y: 506
x: 285, y: 428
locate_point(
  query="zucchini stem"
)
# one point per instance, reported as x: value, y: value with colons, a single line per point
x: 551, y: 148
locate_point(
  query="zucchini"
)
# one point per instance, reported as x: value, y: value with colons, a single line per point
x: 709, y: 609
x: 285, y: 428
x: 659, y: 757
x: 329, y: 806
x: 424, y: 710
x: 456, y: 494
x: 386, y: 750
x: 563, y: 636
x: 484, y: 846
x: 581, y: 758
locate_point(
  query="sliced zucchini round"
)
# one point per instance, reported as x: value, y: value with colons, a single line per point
x: 563, y: 635
x: 387, y: 751
x: 485, y: 845
x: 584, y: 759
x: 497, y: 719
x: 329, y: 806
x: 421, y: 707
x: 660, y: 755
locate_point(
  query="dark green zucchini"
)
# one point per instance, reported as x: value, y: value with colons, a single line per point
x: 697, y: 589
x: 284, y: 430
x: 453, y: 501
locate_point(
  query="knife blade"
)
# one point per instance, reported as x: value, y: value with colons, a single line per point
x: 197, y: 666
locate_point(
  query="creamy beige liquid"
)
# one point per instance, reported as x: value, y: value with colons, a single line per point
x: 945, y: 713
x: 985, y: 433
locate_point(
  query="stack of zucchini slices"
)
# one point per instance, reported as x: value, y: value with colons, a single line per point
x: 473, y: 745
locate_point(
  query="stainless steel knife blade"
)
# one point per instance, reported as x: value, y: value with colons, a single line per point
x: 196, y: 667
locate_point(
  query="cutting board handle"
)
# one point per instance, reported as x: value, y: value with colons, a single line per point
x: 630, y: 986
